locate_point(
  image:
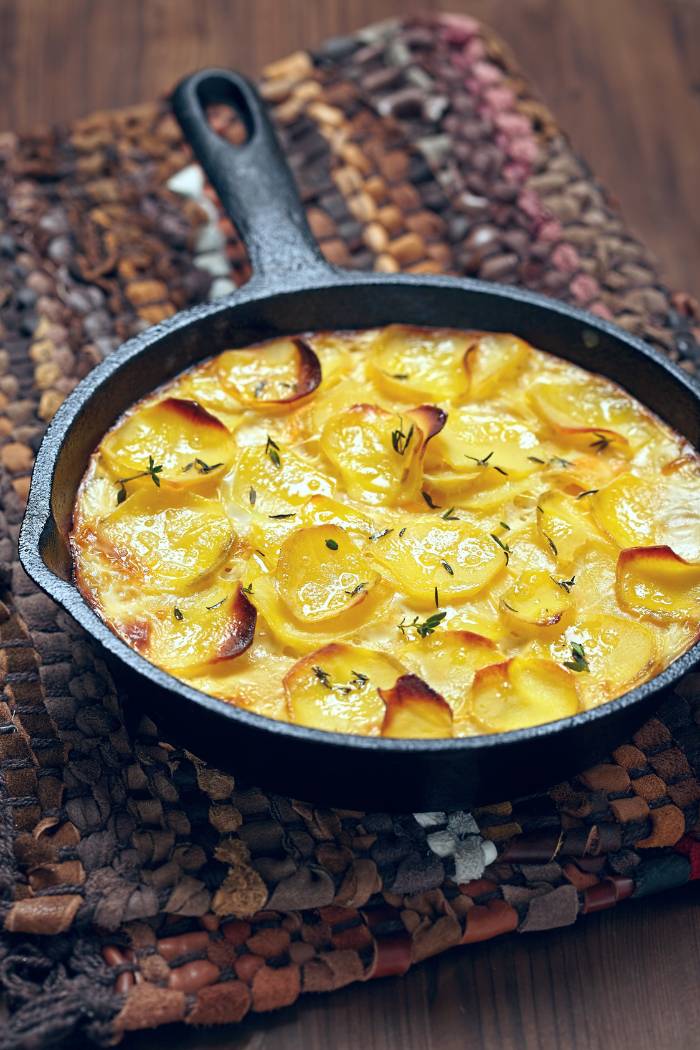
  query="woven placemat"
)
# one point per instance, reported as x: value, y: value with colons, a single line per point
x: 138, y: 885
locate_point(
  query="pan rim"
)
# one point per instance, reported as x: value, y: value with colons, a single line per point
x: 260, y: 289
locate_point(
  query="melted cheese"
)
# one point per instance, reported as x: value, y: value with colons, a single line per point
x: 400, y: 532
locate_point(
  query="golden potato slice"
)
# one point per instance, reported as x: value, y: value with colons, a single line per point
x: 174, y: 440
x: 305, y: 636
x: 321, y: 573
x: 209, y: 627
x: 523, y: 691
x: 448, y: 661
x: 491, y: 447
x: 624, y: 510
x: 409, y: 363
x: 166, y: 538
x: 204, y: 386
x: 564, y: 525
x: 336, y: 688
x: 276, y: 480
x: 321, y: 510
x: 450, y: 555
x: 584, y: 403
x: 376, y: 453
x: 618, y: 653
x: 535, y: 600
x: 271, y: 376
x: 658, y: 583
x: 494, y: 359
x: 415, y: 711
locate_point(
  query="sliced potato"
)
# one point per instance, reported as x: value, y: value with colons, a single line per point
x: 623, y: 509
x: 186, y: 443
x: 523, y: 691
x: 619, y: 652
x: 305, y: 636
x: 448, y: 660
x: 450, y: 555
x: 678, y: 516
x: 209, y: 627
x: 276, y: 489
x: 376, y: 453
x: 584, y: 403
x: 271, y: 376
x: 490, y: 446
x: 321, y: 573
x: 535, y: 600
x: 564, y: 525
x: 658, y: 583
x: 336, y: 688
x: 166, y: 538
x: 414, y: 711
x: 410, y: 363
x: 322, y: 510
x: 494, y: 359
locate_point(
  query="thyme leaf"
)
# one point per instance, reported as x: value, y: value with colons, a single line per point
x: 400, y: 440
x: 565, y: 585
x: 450, y: 515
x: 578, y: 661
x: 504, y: 546
x: 177, y: 613
x: 152, y: 471
x: 429, y: 500
x: 601, y: 442
x: 588, y: 492
x: 332, y: 545
x: 272, y: 451
x: 447, y: 567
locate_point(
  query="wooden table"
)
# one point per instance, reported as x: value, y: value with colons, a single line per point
x: 624, y: 77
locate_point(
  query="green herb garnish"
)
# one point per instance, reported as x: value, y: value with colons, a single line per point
x: 422, y: 629
x: 601, y: 442
x: 400, y: 440
x: 216, y: 605
x: 588, y: 492
x: 450, y: 515
x: 252, y: 496
x: 177, y: 613
x: 565, y: 585
x: 447, y: 567
x: 281, y: 517
x: 357, y: 589
x: 272, y: 451
x: 153, y: 471
x: 578, y: 661
x: 379, y: 535
x: 429, y: 500
x: 504, y: 546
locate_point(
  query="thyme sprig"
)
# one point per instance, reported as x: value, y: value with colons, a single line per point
x: 152, y: 471
x: 504, y: 546
x: 485, y: 462
x: 429, y: 500
x: 565, y: 585
x: 201, y: 466
x: 400, y: 440
x: 601, y: 442
x: 422, y: 629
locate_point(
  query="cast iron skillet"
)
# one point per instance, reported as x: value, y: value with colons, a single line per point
x: 294, y: 290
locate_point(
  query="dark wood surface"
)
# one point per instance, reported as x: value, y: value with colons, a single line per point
x: 624, y: 77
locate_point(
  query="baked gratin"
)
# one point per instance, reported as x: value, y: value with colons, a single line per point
x: 402, y: 532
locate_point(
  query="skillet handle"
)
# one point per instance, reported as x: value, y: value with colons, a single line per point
x: 253, y: 180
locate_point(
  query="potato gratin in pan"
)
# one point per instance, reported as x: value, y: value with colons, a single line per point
x: 392, y: 542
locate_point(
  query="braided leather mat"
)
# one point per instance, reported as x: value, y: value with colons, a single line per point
x: 138, y: 885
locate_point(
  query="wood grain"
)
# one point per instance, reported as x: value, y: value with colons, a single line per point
x: 624, y: 77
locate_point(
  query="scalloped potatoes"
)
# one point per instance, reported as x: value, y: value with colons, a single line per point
x: 403, y: 532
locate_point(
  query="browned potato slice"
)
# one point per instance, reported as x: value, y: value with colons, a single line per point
x: 337, y: 688
x: 321, y: 573
x: 166, y: 538
x: 271, y: 376
x: 410, y: 363
x: 448, y: 660
x: 523, y: 691
x: 414, y: 710
x: 206, y: 628
x: 656, y: 582
x: 535, y: 600
x: 493, y: 360
x: 450, y: 555
x: 590, y: 403
x: 178, y: 439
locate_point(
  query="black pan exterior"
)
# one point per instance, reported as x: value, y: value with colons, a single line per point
x: 294, y: 290
x: 358, y: 772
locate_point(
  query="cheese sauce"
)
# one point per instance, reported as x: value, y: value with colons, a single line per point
x: 408, y: 532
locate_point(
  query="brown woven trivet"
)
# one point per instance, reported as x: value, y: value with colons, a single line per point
x: 138, y: 885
